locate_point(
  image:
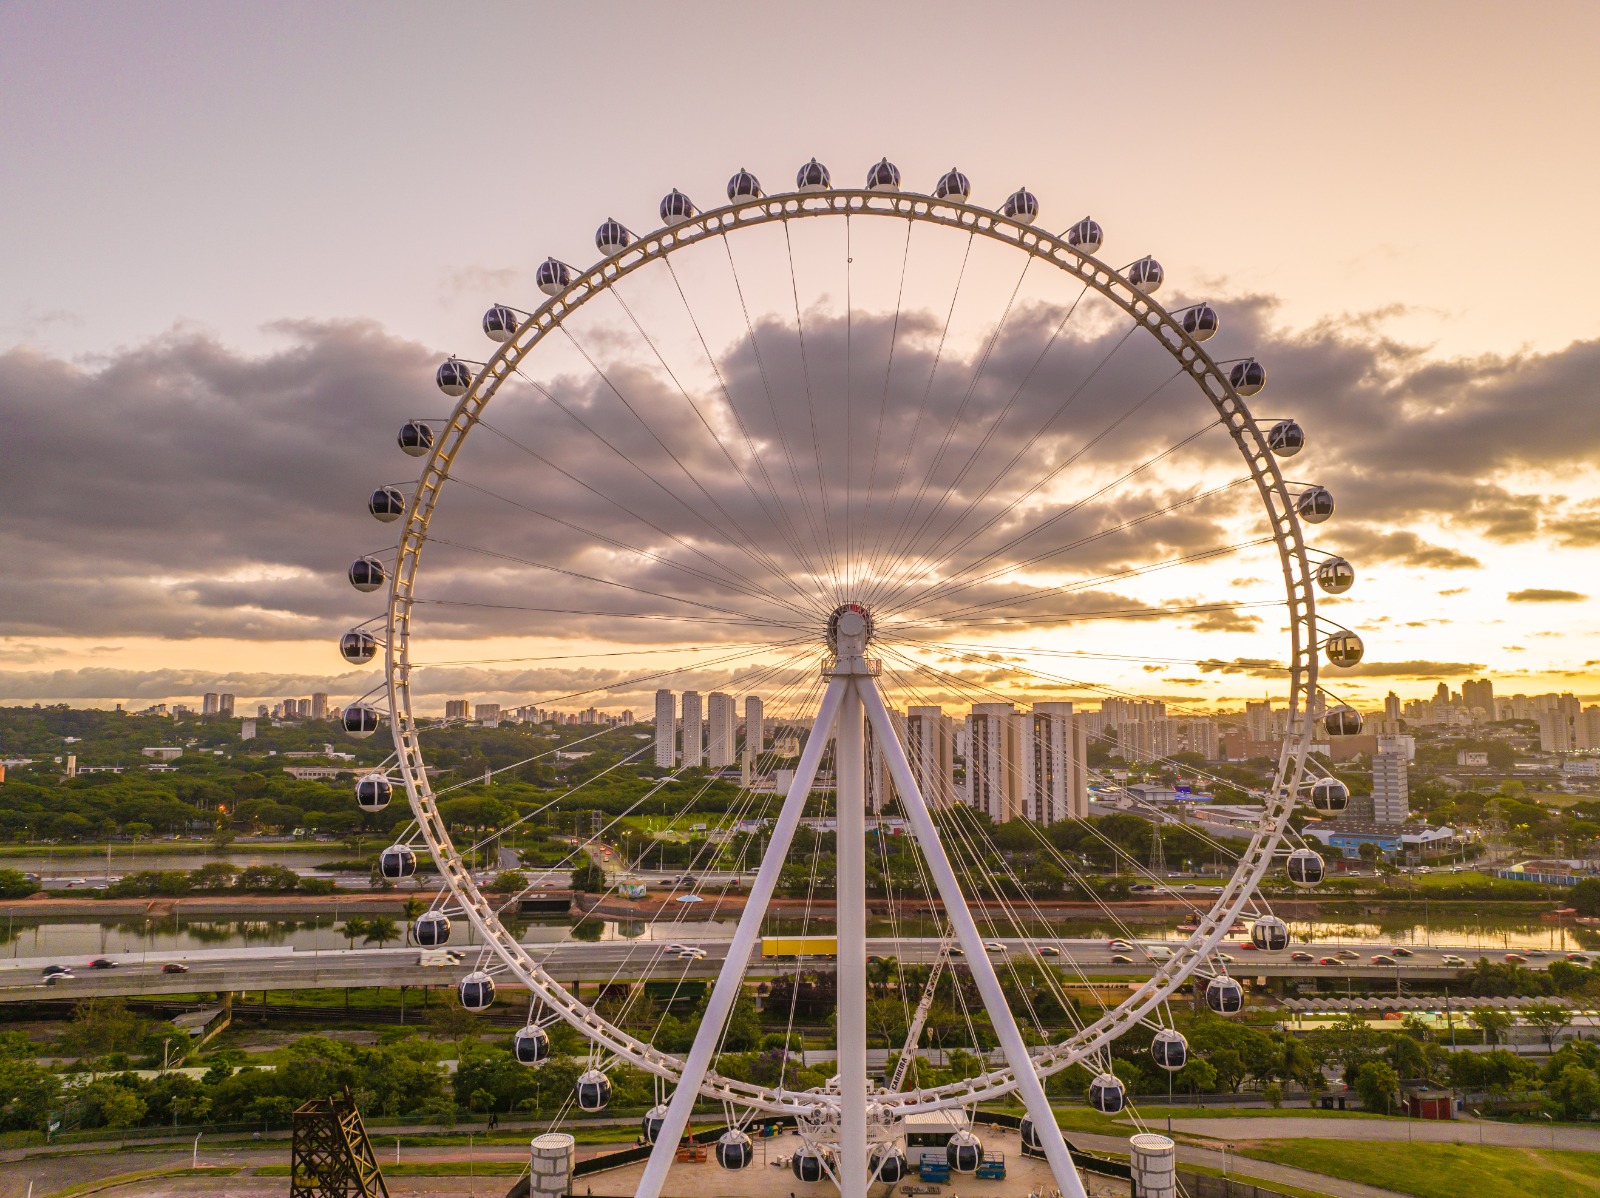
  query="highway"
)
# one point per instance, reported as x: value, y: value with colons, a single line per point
x: 22, y: 979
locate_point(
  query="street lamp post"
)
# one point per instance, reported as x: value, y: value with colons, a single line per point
x: 194, y: 1159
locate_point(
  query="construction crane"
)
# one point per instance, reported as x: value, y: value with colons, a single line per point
x: 920, y: 1015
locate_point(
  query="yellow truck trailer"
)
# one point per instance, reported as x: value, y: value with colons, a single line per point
x: 799, y: 946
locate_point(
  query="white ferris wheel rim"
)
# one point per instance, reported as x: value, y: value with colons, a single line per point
x: 1168, y: 976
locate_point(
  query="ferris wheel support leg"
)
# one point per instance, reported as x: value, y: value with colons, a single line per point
x: 731, y: 976
x: 1029, y: 1088
x: 850, y: 889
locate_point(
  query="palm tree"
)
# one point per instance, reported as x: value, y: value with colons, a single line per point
x: 356, y: 925
x: 381, y: 930
x: 413, y: 908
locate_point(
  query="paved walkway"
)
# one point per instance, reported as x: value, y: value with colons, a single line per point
x: 1238, y: 1166
x: 1460, y: 1131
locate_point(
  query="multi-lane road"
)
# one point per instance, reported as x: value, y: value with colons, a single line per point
x: 632, y: 960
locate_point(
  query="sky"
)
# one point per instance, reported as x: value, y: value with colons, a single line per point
x: 239, y: 239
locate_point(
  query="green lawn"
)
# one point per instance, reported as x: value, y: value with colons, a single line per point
x: 427, y: 1169
x: 1442, y: 1170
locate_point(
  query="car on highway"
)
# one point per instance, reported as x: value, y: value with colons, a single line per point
x: 677, y: 948
x: 55, y: 979
x: 174, y: 967
x: 955, y: 951
x: 52, y: 970
x: 1577, y: 958
x: 1537, y: 952
x: 1401, y: 950
x: 1384, y: 959
x: 1248, y: 946
x: 1119, y: 945
x: 1452, y: 959
x: 1303, y: 957
x: 1328, y: 961
x: 1345, y: 954
x: 1122, y: 959
x: 1047, y: 950
x: 102, y: 963
x: 1515, y: 959
x: 1226, y: 958
x: 692, y: 954
x: 993, y: 946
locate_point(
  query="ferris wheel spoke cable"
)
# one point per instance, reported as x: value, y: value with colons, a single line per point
x: 791, y: 533
x: 500, y: 661
x: 748, y: 590
x: 883, y: 398
x: 744, y: 541
x: 987, y: 489
x: 646, y: 521
x: 802, y: 492
x: 896, y: 551
x: 811, y: 415
x: 519, y: 764
x: 785, y: 527
x: 606, y: 615
x: 878, y: 549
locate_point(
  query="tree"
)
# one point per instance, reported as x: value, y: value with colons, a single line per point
x: 356, y: 925
x: 1577, y: 1091
x: 1549, y: 1018
x: 1585, y: 897
x: 1491, y: 1023
x: 1378, y: 1085
x: 380, y: 931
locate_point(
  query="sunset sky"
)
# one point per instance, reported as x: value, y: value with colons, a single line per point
x: 239, y: 239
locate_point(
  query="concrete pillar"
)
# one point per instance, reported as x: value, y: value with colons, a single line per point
x: 1154, y: 1160
x: 550, y: 1165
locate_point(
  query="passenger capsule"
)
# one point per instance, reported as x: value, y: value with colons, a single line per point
x: 952, y: 185
x: 477, y: 991
x: 397, y: 861
x: 654, y: 1119
x: 1305, y: 868
x: 1107, y: 1094
x: 593, y: 1091
x: 1344, y: 650
x: 1330, y: 796
x: 1032, y: 1145
x: 887, y: 1164
x: 359, y: 720
x: 813, y: 176
x: 367, y: 574
x: 431, y: 929
x: 1170, y: 1049
x: 611, y: 237
x: 676, y: 208
x: 1145, y: 276
x: 1201, y: 322
x: 885, y: 176
x: 553, y: 276
x: 1336, y: 576
x: 1086, y: 236
x: 387, y: 504
x: 1286, y: 438
x: 1225, y: 996
x: 743, y: 186
x: 806, y: 1164
x: 734, y: 1150
x: 1315, y: 504
x: 1248, y: 377
x: 1270, y: 934
x: 1343, y: 721
x: 416, y: 438
x: 453, y: 377
x: 964, y: 1152
x: 1021, y: 205
x: 358, y: 646
x: 373, y: 792
x: 499, y: 323
x: 531, y: 1046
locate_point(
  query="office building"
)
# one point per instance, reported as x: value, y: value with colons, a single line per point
x: 1391, y: 796
x: 994, y: 761
x: 694, y: 753
x: 1054, y: 754
x: 666, y: 730
x: 931, y: 754
x: 721, y: 730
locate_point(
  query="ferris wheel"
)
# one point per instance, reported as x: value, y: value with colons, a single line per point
x: 860, y: 449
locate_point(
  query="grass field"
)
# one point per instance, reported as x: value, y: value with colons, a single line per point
x: 1442, y: 1170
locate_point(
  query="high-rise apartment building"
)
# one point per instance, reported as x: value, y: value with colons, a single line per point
x: 487, y: 713
x: 1391, y: 796
x: 302, y: 708
x: 1201, y: 736
x: 1478, y: 695
x: 319, y: 705
x: 455, y: 709
x: 755, y: 724
x: 931, y: 754
x: 721, y: 730
x: 225, y: 706
x: 209, y: 703
x: 994, y: 761
x: 1258, y: 720
x: 1054, y: 752
x: 666, y: 729
x: 1391, y: 706
x: 880, y: 786
x: 247, y: 729
x: 694, y: 753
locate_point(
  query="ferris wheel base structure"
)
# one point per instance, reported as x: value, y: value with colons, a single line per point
x: 852, y: 700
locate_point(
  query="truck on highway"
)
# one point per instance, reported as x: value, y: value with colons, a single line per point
x: 791, y: 947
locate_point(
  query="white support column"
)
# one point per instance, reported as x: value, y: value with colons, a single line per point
x: 731, y: 976
x: 850, y: 890
x: 1029, y: 1087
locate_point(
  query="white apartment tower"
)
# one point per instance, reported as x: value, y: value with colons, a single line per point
x: 755, y: 724
x: 721, y: 730
x: 209, y: 704
x: 881, y: 789
x: 1391, y: 797
x: 694, y: 752
x: 666, y: 730
x: 1054, y: 751
x: 994, y: 761
x: 930, y: 753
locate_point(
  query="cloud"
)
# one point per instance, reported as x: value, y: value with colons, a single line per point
x: 1545, y: 595
x: 1406, y: 669
x: 1364, y: 544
